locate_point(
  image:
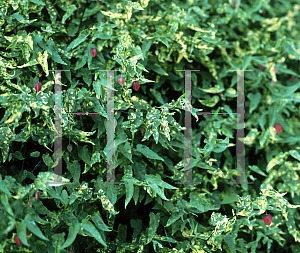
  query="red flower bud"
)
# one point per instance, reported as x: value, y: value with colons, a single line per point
x: 136, y: 85
x: 275, y: 69
x: 38, y: 86
x: 292, y: 78
x: 69, y: 147
x: 267, y: 219
x: 233, y: 4
x: 18, y: 240
x: 272, y: 83
x: 121, y: 80
x: 278, y: 128
x: 37, y: 195
x: 262, y: 68
x: 94, y: 52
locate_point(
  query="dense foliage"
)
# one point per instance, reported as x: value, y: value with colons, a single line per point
x: 146, y: 43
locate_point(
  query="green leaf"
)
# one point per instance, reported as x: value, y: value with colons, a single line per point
x: 35, y: 154
x: 20, y: 18
x: 210, y: 101
x: 290, y: 48
x: 153, y: 225
x: 164, y: 41
x: 136, y: 194
x: 156, y: 67
x: 31, y: 225
x: 230, y: 198
x: 85, y: 155
x: 81, y: 38
x: 73, y: 231
x: 4, y: 201
x: 52, y: 50
x: 157, y: 180
x: 112, y: 193
x: 174, y: 217
x: 278, y: 159
x: 111, y: 14
x: 148, y: 152
x: 92, y: 231
x: 80, y: 62
x: 100, y: 223
x: 157, y: 95
x: 254, y: 101
x: 70, y: 10
x: 129, y: 182
x: 228, y: 238
x: 157, y: 190
x: 3, y: 187
x: 295, y: 154
x: 146, y: 46
x: 96, y: 157
x: 199, y: 11
x: 38, y: 2
x: 201, y: 202
x: 106, y: 203
x: 126, y: 151
x: 247, y: 61
x: 287, y: 91
x: 136, y: 6
x: 257, y: 170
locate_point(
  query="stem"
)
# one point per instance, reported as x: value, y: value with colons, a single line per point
x: 24, y: 155
x: 86, y: 2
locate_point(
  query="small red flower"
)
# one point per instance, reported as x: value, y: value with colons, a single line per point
x: 18, y: 240
x: 71, y: 251
x: 267, y: 218
x: 94, y: 52
x: 136, y: 85
x: 278, y: 128
x: 272, y: 83
x: 27, y: 233
x: 121, y: 80
x: 37, y: 195
x: 233, y: 4
x: 70, y: 147
x: 153, y: 31
x: 262, y: 68
x: 275, y: 69
x: 292, y: 78
x: 38, y: 86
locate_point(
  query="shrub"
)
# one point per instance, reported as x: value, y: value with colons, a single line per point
x: 151, y: 207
